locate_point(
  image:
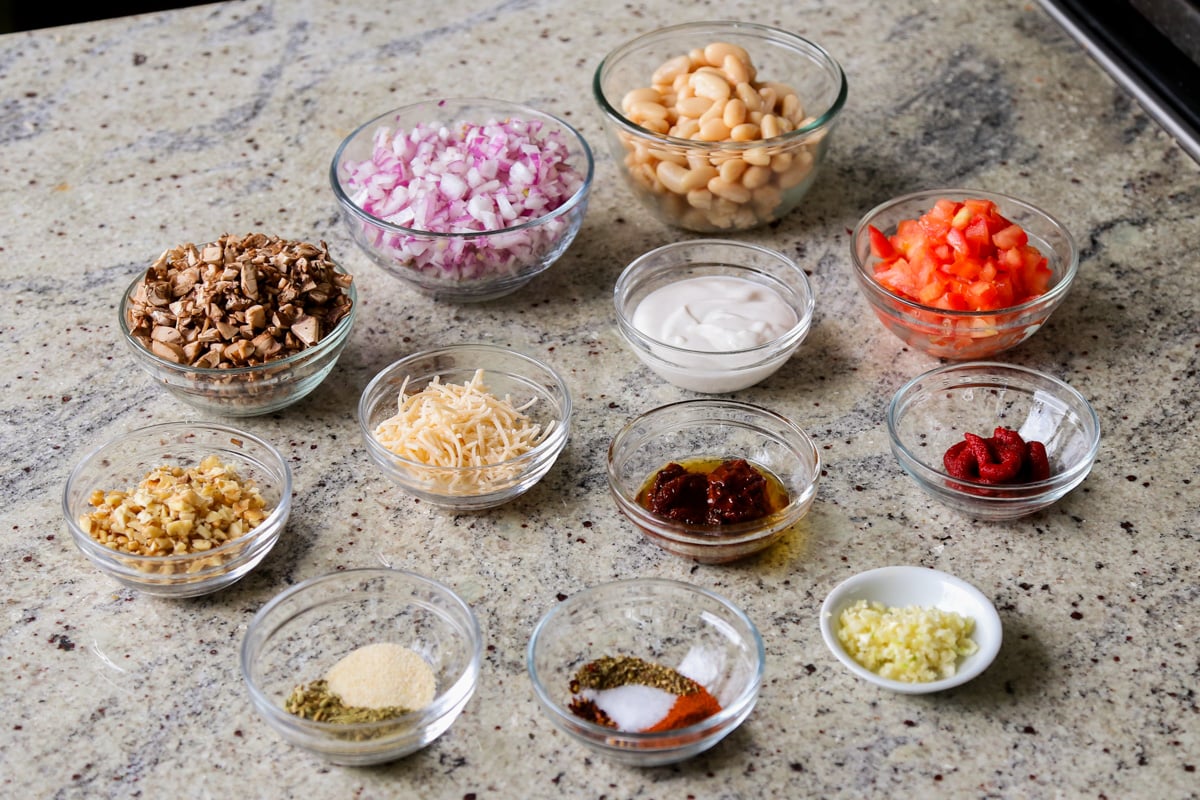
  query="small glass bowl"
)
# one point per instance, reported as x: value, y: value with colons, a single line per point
x: 932, y: 412
x: 713, y: 429
x: 964, y: 335
x: 122, y: 463
x: 472, y: 266
x: 662, y: 621
x: 243, y: 391
x: 905, y: 586
x: 506, y: 373
x: 793, y: 158
x: 303, y: 631
x: 723, y: 371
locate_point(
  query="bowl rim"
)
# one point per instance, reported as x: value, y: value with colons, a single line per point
x: 796, y: 42
x: 988, y: 632
x: 272, y: 525
x: 988, y: 371
x: 331, y: 340
x: 1047, y: 298
x: 716, y: 535
x: 770, y: 350
x: 444, y: 702
x: 577, y: 199
x: 665, y: 740
x: 553, y: 441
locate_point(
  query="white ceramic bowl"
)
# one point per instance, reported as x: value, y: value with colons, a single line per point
x: 902, y: 586
x: 766, y: 272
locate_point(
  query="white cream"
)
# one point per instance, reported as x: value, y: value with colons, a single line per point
x: 714, y: 314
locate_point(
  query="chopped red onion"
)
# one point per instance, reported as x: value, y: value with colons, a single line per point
x: 469, y: 179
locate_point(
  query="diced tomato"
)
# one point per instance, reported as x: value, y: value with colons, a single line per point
x: 959, y: 256
x: 880, y: 246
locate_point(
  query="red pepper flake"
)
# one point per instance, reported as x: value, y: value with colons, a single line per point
x: 1002, y: 459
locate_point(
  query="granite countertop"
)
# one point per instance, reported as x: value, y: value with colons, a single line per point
x: 121, y: 138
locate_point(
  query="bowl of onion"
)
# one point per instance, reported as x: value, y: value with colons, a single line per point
x: 466, y: 200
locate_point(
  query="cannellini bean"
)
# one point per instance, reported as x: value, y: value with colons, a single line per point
x: 646, y: 109
x: 706, y: 84
x: 693, y: 106
x: 781, y: 161
x: 669, y: 69
x: 770, y: 126
x: 715, y: 111
x: 645, y: 95
x: 757, y: 156
x: 686, y: 128
x: 716, y: 53
x: 749, y: 96
x: 734, y: 113
x: 769, y: 98
x: 656, y: 125
x: 766, y: 198
x: 755, y: 177
x: 713, y: 130
x: 736, y: 69
x: 700, y: 198
x: 791, y: 108
x: 746, y: 132
x: 697, y: 58
x: 731, y: 171
x: 733, y: 192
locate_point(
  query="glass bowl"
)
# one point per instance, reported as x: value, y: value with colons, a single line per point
x: 243, y: 391
x: 727, y: 313
x: 303, y: 631
x: 933, y: 411
x: 905, y: 586
x: 120, y: 465
x: 505, y: 373
x: 470, y: 265
x: 705, y: 181
x: 964, y: 335
x: 667, y: 622
x: 713, y: 430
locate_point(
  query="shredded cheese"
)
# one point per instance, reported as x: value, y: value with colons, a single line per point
x: 912, y: 644
x: 449, y: 427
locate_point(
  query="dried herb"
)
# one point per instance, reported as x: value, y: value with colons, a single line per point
x: 314, y: 701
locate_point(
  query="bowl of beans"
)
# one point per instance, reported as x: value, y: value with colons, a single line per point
x: 719, y: 126
x: 178, y: 509
x: 465, y: 199
x: 993, y: 441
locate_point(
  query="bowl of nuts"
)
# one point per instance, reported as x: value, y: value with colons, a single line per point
x: 720, y: 126
x: 179, y: 509
x: 241, y: 326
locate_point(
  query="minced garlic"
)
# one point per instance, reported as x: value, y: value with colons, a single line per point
x: 912, y: 644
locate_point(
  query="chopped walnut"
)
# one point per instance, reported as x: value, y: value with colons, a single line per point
x: 175, y: 510
x: 239, y: 301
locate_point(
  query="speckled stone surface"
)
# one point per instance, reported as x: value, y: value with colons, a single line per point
x: 121, y: 138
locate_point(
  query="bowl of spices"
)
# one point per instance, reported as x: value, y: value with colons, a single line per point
x: 719, y: 126
x: 241, y: 326
x: 464, y: 199
x: 646, y: 671
x: 911, y: 630
x: 713, y: 315
x: 362, y: 666
x: 467, y: 426
x: 178, y: 509
x: 713, y: 480
x: 993, y: 441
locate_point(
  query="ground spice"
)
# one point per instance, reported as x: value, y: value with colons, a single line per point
x: 372, y: 683
x: 610, y: 674
x: 688, y: 710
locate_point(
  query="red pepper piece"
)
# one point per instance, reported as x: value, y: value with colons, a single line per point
x: 1039, y: 462
x: 960, y: 462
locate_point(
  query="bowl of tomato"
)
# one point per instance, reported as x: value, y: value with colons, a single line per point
x: 962, y: 274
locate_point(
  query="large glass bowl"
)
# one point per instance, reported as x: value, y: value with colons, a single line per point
x: 964, y: 335
x: 764, y: 178
x: 472, y: 265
